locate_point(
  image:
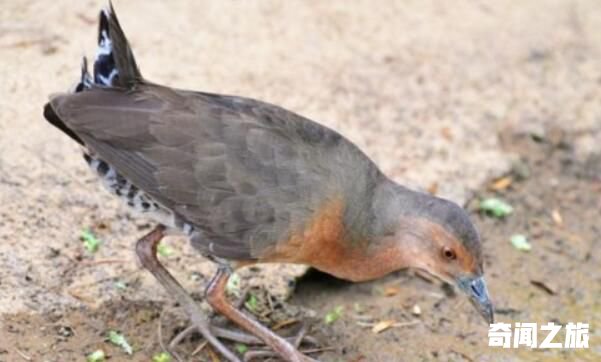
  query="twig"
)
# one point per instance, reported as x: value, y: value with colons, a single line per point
x: 463, y: 355
x: 285, y: 323
x: 199, y: 348
x: 213, y: 355
x: 90, y: 263
x: 398, y: 324
x: 160, y: 331
x: 319, y: 349
x: 82, y: 298
x: 180, y: 337
x: 250, y: 355
x: 23, y: 355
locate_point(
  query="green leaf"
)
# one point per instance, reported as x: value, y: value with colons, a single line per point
x: 164, y: 250
x: 520, y: 242
x: 96, y: 356
x: 251, y: 303
x: 496, y: 207
x: 233, y: 284
x: 161, y: 357
x: 334, y: 315
x: 119, y: 340
x: 120, y: 284
x: 90, y: 242
x: 241, y: 348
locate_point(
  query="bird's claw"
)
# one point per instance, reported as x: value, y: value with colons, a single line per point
x: 297, y: 340
x: 238, y: 336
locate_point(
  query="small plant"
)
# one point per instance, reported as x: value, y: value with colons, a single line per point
x: 495, y: 207
x: 241, y: 348
x: 164, y: 250
x: 119, y: 340
x: 161, y: 357
x: 96, y: 356
x: 520, y: 242
x: 333, y: 315
x: 252, y: 303
x: 90, y: 241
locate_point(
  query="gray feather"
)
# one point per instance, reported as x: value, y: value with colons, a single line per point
x: 244, y: 172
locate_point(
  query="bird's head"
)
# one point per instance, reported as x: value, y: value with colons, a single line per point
x: 437, y: 236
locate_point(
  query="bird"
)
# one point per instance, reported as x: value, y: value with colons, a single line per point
x: 249, y: 182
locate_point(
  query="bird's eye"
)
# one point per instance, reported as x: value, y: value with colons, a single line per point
x: 448, y: 253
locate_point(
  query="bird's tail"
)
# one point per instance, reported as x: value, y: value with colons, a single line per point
x: 114, y: 64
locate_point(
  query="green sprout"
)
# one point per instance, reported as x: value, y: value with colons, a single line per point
x: 119, y: 340
x: 252, y: 303
x: 120, y: 284
x: 90, y: 242
x: 164, y: 250
x: 333, y: 315
x: 520, y: 242
x: 233, y: 285
x: 496, y: 207
x: 241, y: 348
x: 96, y: 356
x: 161, y: 357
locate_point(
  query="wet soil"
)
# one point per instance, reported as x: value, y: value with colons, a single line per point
x: 559, y: 281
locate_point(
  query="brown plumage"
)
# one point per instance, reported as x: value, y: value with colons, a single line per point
x: 251, y: 182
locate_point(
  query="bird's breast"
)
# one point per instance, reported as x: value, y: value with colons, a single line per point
x: 324, y: 242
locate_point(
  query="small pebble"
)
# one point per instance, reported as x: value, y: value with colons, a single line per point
x: 416, y: 310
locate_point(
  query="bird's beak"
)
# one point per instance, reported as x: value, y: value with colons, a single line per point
x: 475, y: 288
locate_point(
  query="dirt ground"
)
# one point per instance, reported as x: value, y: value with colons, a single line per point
x: 443, y: 97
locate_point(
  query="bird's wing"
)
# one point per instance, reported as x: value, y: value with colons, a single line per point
x: 241, y: 170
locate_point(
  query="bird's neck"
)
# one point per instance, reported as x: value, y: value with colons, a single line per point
x: 379, y: 217
x: 375, y: 231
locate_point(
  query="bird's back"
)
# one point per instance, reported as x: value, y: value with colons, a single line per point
x: 242, y: 172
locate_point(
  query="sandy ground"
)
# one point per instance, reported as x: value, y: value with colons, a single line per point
x: 427, y: 89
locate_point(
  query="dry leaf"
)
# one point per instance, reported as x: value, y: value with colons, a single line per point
x: 501, y: 184
x: 446, y: 133
x: 86, y: 19
x: 556, y: 216
x: 433, y: 188
x: 213, y: 355
x: 425, y: 276
x: 544, y: 286
x: 382, y: 326
x: 391, y: 291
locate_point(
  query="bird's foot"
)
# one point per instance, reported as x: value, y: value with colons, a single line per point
x: 210, y: 335
x: 238, y: 336
x: 297, y: 340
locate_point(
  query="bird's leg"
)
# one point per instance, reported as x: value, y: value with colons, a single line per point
x: 146, y: 249
x: 217, y: 327
x: 220, y: 320
x: 215, y: 295
x: 219, y: 330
